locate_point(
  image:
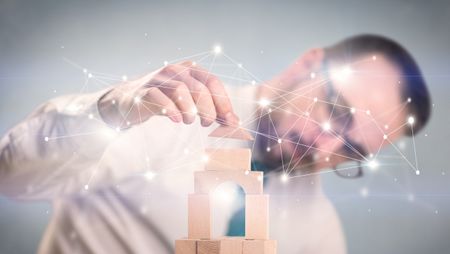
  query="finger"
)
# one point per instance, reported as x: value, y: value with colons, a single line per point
x: 224, y: 109
x: 201, y: 96
x: 159, y: 104
x: 179, y: 93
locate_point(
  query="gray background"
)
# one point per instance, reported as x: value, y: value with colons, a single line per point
x: 403, y: 213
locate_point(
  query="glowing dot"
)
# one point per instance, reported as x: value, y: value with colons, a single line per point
x: 368, y: 112
x: 194, y: 63
x: 279, y: 141
x: 84, y: 70
x: 180, y: 98
x: 315, y: 99
x: 417, y: 172
x: 164, y: 111
x: 386, y: 126
x: 113, y: 102
x: 260, y: 178
x: 46, y: 139
x: 385, y: 136
x: 411, y: 120
x: 436, y: 212
x: 128, y: 123
x: 371, y: 155
x: 149, y: 175
x: 327, y: 159
x: 91, y: 116
x: 86, y: 187
x: 263, y: 102
x: 373, y: 164
x: 239, y: 65
x: 137, y: 99
x: 247, y: 172
x: 205, y: 158
x: 409, y: 99
x: 352, y: 110
x: 240, y: 123
x: 166, y: 63
x: 374, y: 57
x: 124, y: 78
x: 312, y: 75
x: 307, y: 113
x: 117, y: 129
x: 284, y: 178
x: 186, y: 151
x: 253, y: 82
x: 90, y: 75
x: 326, y: 126
x: 342, y: 74
x: 194, y: 110
x: 364, y: 192
x: 268, y: 149
x: 411, y: 197
x: 217, y: 49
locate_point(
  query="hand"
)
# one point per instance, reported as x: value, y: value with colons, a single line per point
x: 179, y: 91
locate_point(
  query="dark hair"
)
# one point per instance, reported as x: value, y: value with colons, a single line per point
x: 414, y: 86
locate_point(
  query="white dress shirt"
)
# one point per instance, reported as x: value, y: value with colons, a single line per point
x: 126, y: 192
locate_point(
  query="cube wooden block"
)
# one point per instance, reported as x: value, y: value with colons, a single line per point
x: 229, y: 159
x: 257, y: 216
x: 259, y: 247
x: 232, y: 245
x: 199, y: 216
x: 186, y: 246
x: 207, y: 181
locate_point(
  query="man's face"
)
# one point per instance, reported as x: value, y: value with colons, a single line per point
x: 343, y: 112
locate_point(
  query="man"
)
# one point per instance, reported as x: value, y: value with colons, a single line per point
x: 118, y: 164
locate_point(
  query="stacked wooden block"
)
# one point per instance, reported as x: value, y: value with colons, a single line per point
x: 227, y: 165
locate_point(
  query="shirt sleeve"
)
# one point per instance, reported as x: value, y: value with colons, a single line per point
x: 62, y: 140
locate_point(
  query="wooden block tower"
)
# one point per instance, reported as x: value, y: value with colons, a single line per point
x: 227, y: 165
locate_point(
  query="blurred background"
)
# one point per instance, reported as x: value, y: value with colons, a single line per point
x: 44, y: 45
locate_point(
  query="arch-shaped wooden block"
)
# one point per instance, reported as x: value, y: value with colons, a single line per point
x: 207, y: 181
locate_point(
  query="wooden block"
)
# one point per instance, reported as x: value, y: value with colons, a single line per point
x: 228, y: 245
x: 207, y: 181
x: 256, y: 216
x: 186, y: 246
x: 259, y: 247
x: 231, y: 132
x: 199, y: 216
x: 229, y: 159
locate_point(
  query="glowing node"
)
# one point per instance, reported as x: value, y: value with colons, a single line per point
x: 342, y: 74
x: 368, y: 112
x: 253, y: 82
x: 240, y: 123
x: 186, y: 151
x: 385, y: 136
x: 239, y: 65
x: 411, y: 120
x: 364, y: 192
x: 409, y: 99
x: 417, y: 172
x: 217, y: 49
x: 371, y: 155
x: 137, y: 99
x: 91, y: 116
x: 279, y: 141
x: 386, y: 126
x: 327, y: 159
x: 307, y: 114
x: 312, y: 75
x: 194, y: 110
x: 90, y: 75
x: 117, y: 129
x: 315, y: 99
x: 180, y: 98
x: 86, y: 187
x: 124, y: 78
x: 128, y: 123
x: 373, y: 164
x: 205, y: 158
x: 247, y: 172
x: 284, y: 178
x: 113, y: 102
x: 46, y: 139
x: 194, y: 63
x: 165, y: 63
x: 84, y: 70
x: 326, y: 126
x: 260, y: 178
x: 163, y: 111
x: 411, y: 197
x: 263, y: 102
x: 374, y: 57
x: 149, y: 175
x: 352, y: 110
x: 268, y: 149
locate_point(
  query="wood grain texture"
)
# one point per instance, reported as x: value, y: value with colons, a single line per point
x: 257, y: 216
x: 231, y: 132
x: 229, y: 159
x: 185, y: 246
x: 199, y: 216
x: 259, y: 247
x: 207, y: 181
